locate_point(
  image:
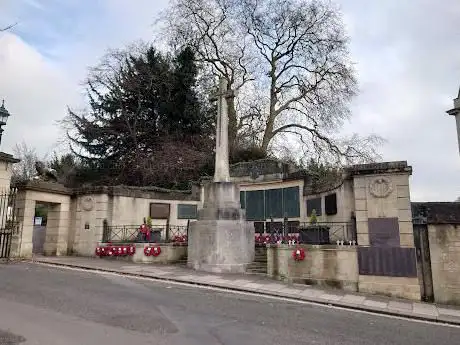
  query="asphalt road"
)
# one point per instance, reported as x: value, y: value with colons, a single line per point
x: 44, y: 305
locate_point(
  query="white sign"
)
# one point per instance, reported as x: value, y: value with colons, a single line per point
x: 38, y: 221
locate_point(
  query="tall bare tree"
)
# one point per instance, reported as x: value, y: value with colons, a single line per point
x: 290, y: 62
x: 25, y: 169
x: 209, y: 27
x: 6, y: 28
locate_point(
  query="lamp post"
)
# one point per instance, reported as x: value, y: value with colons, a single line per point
x: 4, y: 114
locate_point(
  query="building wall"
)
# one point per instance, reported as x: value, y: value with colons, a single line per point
x: 445, y: 262
x: 132, y: 211
x: 6, y: 169
x: 345, y: 203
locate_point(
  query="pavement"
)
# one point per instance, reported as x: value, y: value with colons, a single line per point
x: 43, y: 304
x: 262, y: 285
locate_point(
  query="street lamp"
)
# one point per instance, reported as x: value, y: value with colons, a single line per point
x: 4, y: 114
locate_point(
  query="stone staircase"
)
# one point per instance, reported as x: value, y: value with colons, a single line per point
x: 259, y: 266
x: 182, y: 262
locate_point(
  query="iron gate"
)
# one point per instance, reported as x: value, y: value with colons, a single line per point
x: 8, y: 224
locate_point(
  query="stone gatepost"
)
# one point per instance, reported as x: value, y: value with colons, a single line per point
x: 386, y: 255
x: 59, y: 199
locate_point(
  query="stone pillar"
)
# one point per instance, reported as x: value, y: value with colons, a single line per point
x: 384, y: 227
x: 382, y: 191
x: 456, y: 112
x: 57, y: 229
x: 222, y: 169
x: 25, y: 211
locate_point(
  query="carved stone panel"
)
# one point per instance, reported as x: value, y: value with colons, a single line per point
x: 381, y: 187
x: 87, y: 203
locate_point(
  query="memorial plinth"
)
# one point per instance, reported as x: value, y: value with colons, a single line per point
x: 221, y: 240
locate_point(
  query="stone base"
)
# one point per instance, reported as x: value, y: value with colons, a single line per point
x: 217, y: 268
x: 221, y: 241
x: 221, y: 246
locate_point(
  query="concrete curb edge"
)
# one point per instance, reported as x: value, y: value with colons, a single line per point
x: 349, y: 306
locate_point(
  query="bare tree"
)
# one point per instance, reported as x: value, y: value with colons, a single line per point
x: 290, y: 61
x: 6, y: 28
x: 25, y: 169
x: 209, y: 27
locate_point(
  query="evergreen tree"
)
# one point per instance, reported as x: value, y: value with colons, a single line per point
x: 145, y: 124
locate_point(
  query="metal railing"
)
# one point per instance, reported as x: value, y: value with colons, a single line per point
x: 318, y: 233
x: 327, y: 233
x: 132, y: 233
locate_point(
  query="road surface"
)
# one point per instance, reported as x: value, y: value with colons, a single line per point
x: 53, y: 306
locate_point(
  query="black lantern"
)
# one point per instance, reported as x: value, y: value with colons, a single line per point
x: 4, y: 114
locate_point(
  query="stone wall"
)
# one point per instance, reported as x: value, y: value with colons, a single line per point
x: 76, y: 217
x: 86, y: 228
x: 445, y: 262
x: 334, y: 266
x: 402, y: 287
x: 169, y: 254
x: 132, y: 210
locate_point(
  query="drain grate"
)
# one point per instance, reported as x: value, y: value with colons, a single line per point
x: 7, y: 338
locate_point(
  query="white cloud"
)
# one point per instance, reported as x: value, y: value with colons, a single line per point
x: 407, y: 56
x: 36, y: 94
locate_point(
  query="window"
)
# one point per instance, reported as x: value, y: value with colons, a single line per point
x: 291, y: 202
x: 330, y: 204
x: 185, y: 211
x: 243, y: 199
x: 274, y: 203
x: 314, y: 204
x: 255, y: 205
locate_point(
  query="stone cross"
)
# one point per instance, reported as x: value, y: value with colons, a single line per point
x: 222, y: 169
x: 456, y: 112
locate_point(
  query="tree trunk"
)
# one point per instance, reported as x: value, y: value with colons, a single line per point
x: 268, y: 133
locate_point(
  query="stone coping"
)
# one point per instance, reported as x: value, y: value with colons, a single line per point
x: 379, y: 168
x: 6, y: 157
x: 437, y: 212
x: 312, y: 247
x: 155, y: 193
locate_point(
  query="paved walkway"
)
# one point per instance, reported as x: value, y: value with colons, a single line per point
x: 265, y: 286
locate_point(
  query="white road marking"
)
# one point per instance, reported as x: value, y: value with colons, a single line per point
x: 244, y: 293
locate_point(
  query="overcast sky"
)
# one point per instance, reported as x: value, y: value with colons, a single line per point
x: 407, y: 54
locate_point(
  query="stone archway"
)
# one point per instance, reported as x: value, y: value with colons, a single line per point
x: 58, y: 219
